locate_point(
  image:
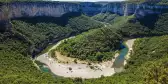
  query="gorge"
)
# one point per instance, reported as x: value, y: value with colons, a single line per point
x: 101, y: 50
x: 16, y: 10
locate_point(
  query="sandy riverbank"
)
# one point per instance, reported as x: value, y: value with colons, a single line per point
x: 78, y: 70
x: 81, y: 69
x: 129, y: 44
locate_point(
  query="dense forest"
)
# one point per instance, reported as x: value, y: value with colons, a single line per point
x: 147, y: 65
x: 150, y: 25
x: 130, y: 26
x: 105, y: 17
x: 94, y: 45
x: 16, y: 64
x: 18, y: 68
x: 40, y: 34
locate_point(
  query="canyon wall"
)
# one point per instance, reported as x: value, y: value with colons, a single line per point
x: 57, y: 9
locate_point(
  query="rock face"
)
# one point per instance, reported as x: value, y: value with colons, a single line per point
x: 57, y: 9
x: 30, y: 9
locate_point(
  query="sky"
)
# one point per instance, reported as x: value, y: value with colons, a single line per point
x: 89, y: 0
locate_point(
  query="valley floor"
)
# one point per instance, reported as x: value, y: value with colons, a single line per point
x: 81, y: 69
x: 129, y: 44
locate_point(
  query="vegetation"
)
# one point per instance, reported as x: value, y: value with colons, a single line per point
x: 83, y: 23
x: 112, y: 18
x: 147, y: 65
x: 105, y: 17
x: 22, y: 39
x: 161, y: 26
x: 40, y: 31
x: 163, y: 2
x: 40, y: 34
x: 16, y: 65
x: 90, y: 45
x: 130, y: 26
x: 147, y: 26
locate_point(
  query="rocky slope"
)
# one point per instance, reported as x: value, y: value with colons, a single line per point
x: 57, y: 9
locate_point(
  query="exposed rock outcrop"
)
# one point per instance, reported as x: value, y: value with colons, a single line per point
x: 57, y: 9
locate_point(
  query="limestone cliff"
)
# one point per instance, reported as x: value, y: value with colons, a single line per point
x: 57, y: 9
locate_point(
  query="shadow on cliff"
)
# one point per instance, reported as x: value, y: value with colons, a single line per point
x: 62, y: 21
x: 149, y: 20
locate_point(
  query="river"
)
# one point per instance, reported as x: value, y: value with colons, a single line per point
x: 119, y: 62
x: 50, y: 65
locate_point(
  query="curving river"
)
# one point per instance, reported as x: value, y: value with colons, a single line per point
x: 48, y: 64
x: 119, y: 62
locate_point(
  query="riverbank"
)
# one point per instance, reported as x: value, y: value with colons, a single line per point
x: 129, y: 44
x: 82, y: 69
x: 78, y: 70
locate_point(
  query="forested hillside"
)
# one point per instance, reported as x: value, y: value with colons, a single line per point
x: 22, y: 38
x: 94, y: 45
x: 105, y: 17
x: 147, y: 65
x: 40, y: 34
x: 130, y: 26
x: 151, y: 25
x: 16, y: 64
